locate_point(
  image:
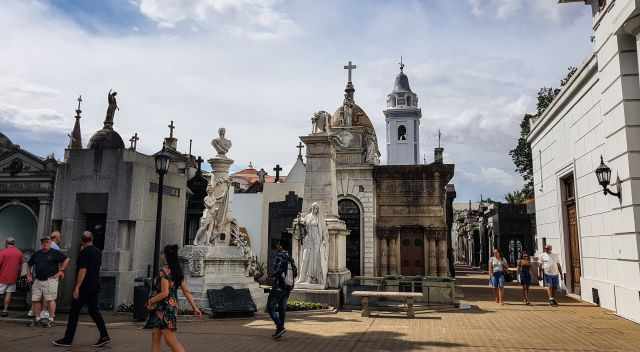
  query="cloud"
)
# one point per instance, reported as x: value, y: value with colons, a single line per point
x: 214, y: 69
x: 254, y: 19
x: 550, y: 10
x: 493, y: 176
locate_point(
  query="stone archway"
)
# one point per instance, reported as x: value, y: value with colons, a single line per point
x: 18, y: 221
x: 349, y: 212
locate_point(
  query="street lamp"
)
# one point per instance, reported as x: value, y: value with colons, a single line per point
x: 603, y: 173
x: 162, y: 167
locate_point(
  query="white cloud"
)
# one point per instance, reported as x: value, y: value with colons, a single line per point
x: 255, y: 19
x: 504, y: 9
x: 265, y: 91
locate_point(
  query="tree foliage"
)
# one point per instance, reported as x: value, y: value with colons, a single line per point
x: 515, y: 197
x: 521, y: 154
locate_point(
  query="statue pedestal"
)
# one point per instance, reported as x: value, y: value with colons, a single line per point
x: 220, y: 166
x: 214, y: 268
x: 338, y: 274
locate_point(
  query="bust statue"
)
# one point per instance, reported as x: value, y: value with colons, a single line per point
x: 221, y: 144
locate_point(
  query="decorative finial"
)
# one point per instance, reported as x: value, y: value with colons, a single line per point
x: 350, y: 67
x: 171, y: 128
x: 401, y: 65
x: 439, y: 136
x: 134, y: 141
x: 78, y: 111
x: 75, y: 138
x: 300, y: 147
x: 251, y: 165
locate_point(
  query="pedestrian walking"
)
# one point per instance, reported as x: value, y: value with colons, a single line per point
x: 524, y: 267
x: 551, y: 272
x: 85, y: 292
x: 497, y: 268
x: 163, y: 305
x: 283, y: 277
x: 10, y: 266
x: 48, y: 265
x: 56, y: 239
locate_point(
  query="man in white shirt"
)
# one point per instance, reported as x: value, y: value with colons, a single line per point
x: 551, y: 271
x: 56, y: 238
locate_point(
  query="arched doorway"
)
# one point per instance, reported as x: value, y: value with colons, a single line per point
x: 349, y: 212
x: 17, y: 221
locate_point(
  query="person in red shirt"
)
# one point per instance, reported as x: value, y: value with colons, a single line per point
x: 10, y: 265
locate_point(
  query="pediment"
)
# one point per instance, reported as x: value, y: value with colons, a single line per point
x: 20, y: 161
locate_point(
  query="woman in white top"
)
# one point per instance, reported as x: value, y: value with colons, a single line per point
x: 497, y: 268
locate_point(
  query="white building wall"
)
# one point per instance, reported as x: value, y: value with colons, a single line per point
x: 597, y: 113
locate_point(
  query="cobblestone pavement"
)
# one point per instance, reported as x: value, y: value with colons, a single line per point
x: 485, y: 326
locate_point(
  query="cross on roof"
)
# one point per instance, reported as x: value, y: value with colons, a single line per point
x: 79, y: 101
x: 277, y: 169
x: 401, y: 64
x: 349, y: 67
x: 439, y: 135
x: 199, y: 161
x: 171, y: 128
x: 134, y: 141
x: 300, y: 147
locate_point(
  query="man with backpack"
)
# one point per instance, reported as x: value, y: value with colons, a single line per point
x: 283, y: 278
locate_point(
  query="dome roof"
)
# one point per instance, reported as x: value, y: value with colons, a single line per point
x: 401, y: 83
x: 106, y: 138
x: 359, y: 118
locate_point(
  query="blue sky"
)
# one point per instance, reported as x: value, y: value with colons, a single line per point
x: 261, y: 68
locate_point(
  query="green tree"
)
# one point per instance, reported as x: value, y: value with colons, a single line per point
x: 515, y: 197
x: 521, y: 154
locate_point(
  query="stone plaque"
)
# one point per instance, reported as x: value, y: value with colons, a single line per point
x: 231, y: 301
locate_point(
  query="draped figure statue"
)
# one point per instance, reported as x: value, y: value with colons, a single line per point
x: 315, y: 261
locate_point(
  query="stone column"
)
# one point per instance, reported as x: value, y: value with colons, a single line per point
x: 320, y: 187
x: 443, y: 263
x: 384, y: 258
x: 433, y: 262
x: 220, y: 167
x: 44, y: 218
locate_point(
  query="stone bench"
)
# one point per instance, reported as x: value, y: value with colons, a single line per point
x: 408, y: 297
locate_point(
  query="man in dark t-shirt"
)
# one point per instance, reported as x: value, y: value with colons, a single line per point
x: 85, y: 292
x: 48, y: 265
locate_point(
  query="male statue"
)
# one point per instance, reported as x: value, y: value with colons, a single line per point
x: 221, y: 144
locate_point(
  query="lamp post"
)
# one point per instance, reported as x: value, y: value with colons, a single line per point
x: 162, y: 167
x: 603, y: 173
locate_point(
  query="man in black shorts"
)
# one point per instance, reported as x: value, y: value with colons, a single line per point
x: 85, y: 292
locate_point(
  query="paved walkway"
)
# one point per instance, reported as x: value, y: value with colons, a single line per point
x: 486, y: 326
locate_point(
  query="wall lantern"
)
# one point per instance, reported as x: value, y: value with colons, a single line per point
x: 603, y: 173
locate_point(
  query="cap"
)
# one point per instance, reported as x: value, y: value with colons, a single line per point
x: 45, y: 238
x: 11, y: 240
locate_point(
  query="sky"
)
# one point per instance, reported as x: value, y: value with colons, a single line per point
x: 261, y: 68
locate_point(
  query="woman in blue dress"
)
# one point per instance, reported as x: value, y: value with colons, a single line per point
x: 524, y: 267
x: 497, y: 268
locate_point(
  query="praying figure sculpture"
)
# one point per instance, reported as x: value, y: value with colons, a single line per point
x: 221, y: 144
x: 111, y: 110
x: 320, y: 121
x: 315, y: 260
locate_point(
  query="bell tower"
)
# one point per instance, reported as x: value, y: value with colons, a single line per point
x: 402, y: 117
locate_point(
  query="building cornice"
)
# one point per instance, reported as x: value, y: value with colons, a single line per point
x: 553, y: 112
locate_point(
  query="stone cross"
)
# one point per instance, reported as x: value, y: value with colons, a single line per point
x: 134, y: 141
x: 349, y: 67
x: 171, y: 128
x: 277, y: 169
x: 199, y: 161
x: 300, y: 147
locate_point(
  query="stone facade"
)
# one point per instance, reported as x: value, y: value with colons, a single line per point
x: 596, y: 114
x: 26, y: 193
